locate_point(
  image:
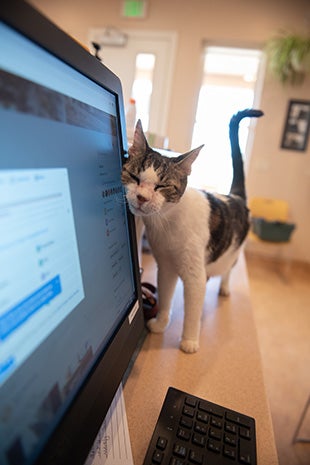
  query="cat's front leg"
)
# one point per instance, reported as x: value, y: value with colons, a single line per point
x: 224, y: 286
x: 194, y: 294
x: 166, y: 282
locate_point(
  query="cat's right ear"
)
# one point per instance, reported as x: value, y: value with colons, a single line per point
x: 185, y: 161
x: 139, y: 145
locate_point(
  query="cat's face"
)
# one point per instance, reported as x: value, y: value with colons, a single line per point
x: 152, y: 181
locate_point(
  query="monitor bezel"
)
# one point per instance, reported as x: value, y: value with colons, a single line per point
x: 74, y: 436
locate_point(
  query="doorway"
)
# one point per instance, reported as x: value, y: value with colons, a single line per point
x: 148, y: 58
x: 230, y: 83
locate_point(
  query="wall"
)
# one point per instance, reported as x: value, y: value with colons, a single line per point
x: 282, y: 173
x: 272, y: 172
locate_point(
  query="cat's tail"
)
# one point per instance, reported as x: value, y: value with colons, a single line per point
x: 238, y: 182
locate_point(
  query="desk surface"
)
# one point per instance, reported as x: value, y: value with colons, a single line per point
x: 226, y: 370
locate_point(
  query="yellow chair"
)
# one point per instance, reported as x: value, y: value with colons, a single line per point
x: 270, y: 210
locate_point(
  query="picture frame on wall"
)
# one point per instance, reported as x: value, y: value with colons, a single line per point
x: 297, y: 125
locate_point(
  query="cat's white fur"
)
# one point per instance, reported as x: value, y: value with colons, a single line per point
x: 179, y: 253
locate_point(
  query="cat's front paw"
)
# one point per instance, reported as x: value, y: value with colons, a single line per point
x: 156, y: 325
x: 189, y: 346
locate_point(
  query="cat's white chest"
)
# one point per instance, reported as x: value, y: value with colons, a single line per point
x: 180, y: 235
x: 183, y: 222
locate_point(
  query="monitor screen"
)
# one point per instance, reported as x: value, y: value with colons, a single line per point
x: 69, y: 290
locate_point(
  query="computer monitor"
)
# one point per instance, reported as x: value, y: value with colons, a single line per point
x: 70, y: 303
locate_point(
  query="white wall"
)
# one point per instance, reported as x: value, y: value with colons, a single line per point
x: 272, y: 171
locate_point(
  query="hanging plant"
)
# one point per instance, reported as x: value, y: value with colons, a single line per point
x: 289, y: 57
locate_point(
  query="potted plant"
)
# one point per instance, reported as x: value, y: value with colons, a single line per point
x: 289, y: 57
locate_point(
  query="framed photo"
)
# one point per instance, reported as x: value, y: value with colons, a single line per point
x: 297, y: 125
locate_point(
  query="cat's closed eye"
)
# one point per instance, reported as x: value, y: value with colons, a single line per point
x: 166, y: 186
x: 134, y: 177
x: 160, y: 186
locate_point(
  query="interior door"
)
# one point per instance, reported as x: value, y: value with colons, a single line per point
x: 122, y: 61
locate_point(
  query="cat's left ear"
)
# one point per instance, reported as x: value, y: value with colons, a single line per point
x: 139, y: 145
x: 186, y: 159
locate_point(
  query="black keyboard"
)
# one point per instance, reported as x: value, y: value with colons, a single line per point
x: 190, y: 430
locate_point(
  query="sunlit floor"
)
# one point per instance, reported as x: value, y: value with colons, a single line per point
x: 282, y: 311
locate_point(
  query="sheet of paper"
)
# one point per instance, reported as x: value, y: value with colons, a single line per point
x: 112, y: 445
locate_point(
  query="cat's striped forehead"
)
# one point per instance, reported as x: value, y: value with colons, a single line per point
x: 153, y: 165
x: 149, y: 175
x: 159, y: 163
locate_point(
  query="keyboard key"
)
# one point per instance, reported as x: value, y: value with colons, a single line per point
x: 161, y: 443
x: 230, y: 428
x: 186, y: 422
x: 214, y: 446
x: 215, y: 434
x: 230, y: 439
x: 195, y: 457
x: 244, y: 452
x: 245, y: 433
x: 200, y: 428
x: 188, y: 411
x: 201, y: 416
x: 199, y: 440
x: 183, y: 434
x: 176, y: 461
x: 179, y: 450
x: 237, y: 418
x: 216, y: 422
x: 191, y: 401
x: 229, y: 452
x: 157, y: 457
x: 207, y: 407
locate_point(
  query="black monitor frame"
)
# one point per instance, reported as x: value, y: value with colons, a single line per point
x: 72, y: 440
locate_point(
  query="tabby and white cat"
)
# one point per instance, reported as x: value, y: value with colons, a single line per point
x: 193, y: 234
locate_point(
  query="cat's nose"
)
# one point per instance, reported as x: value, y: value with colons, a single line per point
x: 141, y: 199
